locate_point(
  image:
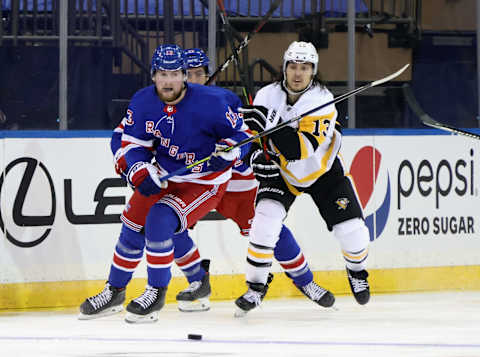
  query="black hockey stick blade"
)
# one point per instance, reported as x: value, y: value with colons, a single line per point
x: 286, y: 123
x: 245, y: 41
x: 427, y: 119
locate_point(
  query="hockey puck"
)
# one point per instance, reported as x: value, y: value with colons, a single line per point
x: 192, y: 336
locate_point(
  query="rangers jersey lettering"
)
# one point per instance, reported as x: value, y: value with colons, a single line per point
x: 178, y: 135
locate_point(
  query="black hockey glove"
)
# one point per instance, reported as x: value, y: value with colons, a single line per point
x: 259, y: 118
x: 263, y: 169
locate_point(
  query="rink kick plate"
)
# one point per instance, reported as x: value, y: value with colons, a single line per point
x: 229, y: 287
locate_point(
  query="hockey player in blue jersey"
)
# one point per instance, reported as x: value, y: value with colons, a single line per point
x: 176, y: 124
x: 236, y: 204
x: 197, y: 63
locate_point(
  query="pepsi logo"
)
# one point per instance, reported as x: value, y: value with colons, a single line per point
x: 365, y: 169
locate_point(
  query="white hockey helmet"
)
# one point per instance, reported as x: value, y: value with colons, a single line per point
x: 301, y: 52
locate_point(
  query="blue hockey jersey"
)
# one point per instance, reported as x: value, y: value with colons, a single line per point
x: 178, y: 135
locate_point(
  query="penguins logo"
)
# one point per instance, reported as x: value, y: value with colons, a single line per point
x: 342, y: 203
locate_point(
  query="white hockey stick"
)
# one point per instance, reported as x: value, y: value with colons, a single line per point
x: 288, y: 122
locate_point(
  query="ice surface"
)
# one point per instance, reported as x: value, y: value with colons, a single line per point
x: 445, y: 324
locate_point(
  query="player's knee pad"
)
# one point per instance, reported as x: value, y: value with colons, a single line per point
x: 183, y: 244
x: 353, y: 234
x: 161, y: 223
x: 267, y: 223
x: 130, y: 243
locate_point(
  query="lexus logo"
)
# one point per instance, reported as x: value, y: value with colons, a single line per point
x: 99, y: 216
x: 18, y: 217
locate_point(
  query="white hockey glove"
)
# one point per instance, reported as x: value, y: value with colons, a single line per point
x: 221, y: 159
x: 259, y: 118
x: 146, y: 178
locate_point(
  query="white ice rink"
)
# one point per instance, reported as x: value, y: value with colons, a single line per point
x: 427, y: 324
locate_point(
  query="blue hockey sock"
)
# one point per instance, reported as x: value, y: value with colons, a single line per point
x: 127, y: 255
x: 187, y: 257
x: 289, y: 254
x: 160, y: 226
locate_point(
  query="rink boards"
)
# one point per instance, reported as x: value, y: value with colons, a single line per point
x: 61, y: 200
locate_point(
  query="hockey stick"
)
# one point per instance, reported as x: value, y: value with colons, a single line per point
x: 245, y: 41
x: 427, y: 119
x: 288, y: 122
x: 229, y: 33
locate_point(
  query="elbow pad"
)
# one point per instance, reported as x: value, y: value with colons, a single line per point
x: 287, y: 142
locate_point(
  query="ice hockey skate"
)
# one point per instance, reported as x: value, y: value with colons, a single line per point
x: 144, y: 309
x: 108, y: 302
x: 359, y: 285
x: 196, y: 296
x: 317, y: 294
x: 253, y: 297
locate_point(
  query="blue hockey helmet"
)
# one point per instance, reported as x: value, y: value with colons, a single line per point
x: 195, y: 57
x: 167, y: 58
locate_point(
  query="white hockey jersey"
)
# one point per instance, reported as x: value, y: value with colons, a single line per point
x: 318, y: 138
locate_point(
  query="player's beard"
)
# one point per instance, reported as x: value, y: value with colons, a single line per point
x: 171, y: 95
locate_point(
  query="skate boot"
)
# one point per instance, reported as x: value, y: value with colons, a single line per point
x: 108, y: 302
x: 317, y: 294
x: 253, y: 297
x: 145, y: 308
x: 196, y: 296
x: 359, y: 285
x: 269, y: 280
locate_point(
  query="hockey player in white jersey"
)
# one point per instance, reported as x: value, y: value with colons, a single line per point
x: 238, y: 204
x: 301, y: 158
